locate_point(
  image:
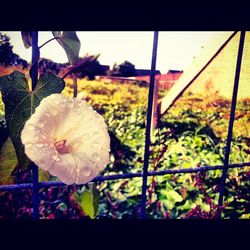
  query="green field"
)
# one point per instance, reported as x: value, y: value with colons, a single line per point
x: 193, y: 133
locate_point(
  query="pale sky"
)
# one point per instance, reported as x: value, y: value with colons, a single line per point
x: 175, y: 49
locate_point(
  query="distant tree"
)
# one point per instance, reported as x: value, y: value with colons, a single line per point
x: 6, y: 53
x: 92, y: 69
x: 7, y: 57
x: 45, y: 65
x: 115, y: 70
x: 125, y: 69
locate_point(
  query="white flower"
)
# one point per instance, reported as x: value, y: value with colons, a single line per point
x: 66, y: 137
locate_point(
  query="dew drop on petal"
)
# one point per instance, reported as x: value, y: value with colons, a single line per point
x: 41, y: 164
x: 40, y: 124
x: 36, y: 137
x: 54, y: 112
x: 31, y: 127
x: 71, y: 168
x: 44, y: 132
x: 86, y: 171
x: 96, y: 145
x: 70, y: 105
x: 99, y: 119
x: 96, y: 157
x: 29, y: 148
x: 55, y: 157
x: 43, y: 136
x: 86, y: 137
x: 39, y: 145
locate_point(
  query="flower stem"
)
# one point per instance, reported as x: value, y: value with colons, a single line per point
x: 66, y: 74
x: 49, y: 41
x: 75, y: 86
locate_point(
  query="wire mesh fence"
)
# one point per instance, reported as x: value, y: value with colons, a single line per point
x: 144, y: 174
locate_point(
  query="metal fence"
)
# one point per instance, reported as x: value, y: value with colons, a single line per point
x: 36, y: 185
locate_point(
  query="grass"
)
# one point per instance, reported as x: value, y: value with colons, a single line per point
x: 101, y: 92
x: 193, y: 132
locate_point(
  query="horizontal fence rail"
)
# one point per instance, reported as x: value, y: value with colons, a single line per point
x: 125, y: 176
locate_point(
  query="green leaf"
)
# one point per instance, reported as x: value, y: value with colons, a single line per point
x: 70, y: 43
x: 8, y: 162
x: 172, y: 195
x: 27, y: 38
x: 90, y: 201
x: 43, y: 175
x: 20, y: 104
x: 245, y: 216
x: 76, y: 197
x: 168, y: 204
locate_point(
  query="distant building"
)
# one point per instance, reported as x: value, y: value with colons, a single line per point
x: 144, y: 75
x: 166, y: 81
x: 145, y: 72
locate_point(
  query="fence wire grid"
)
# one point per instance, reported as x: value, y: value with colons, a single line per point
x: 35, y: 185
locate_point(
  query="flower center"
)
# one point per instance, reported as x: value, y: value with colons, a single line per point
x: 62, y: 148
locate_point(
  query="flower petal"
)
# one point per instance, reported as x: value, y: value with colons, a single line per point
x: 40, y: 154
x: 59, y: 118
x: 64, y: 168
x: 87, y: 170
